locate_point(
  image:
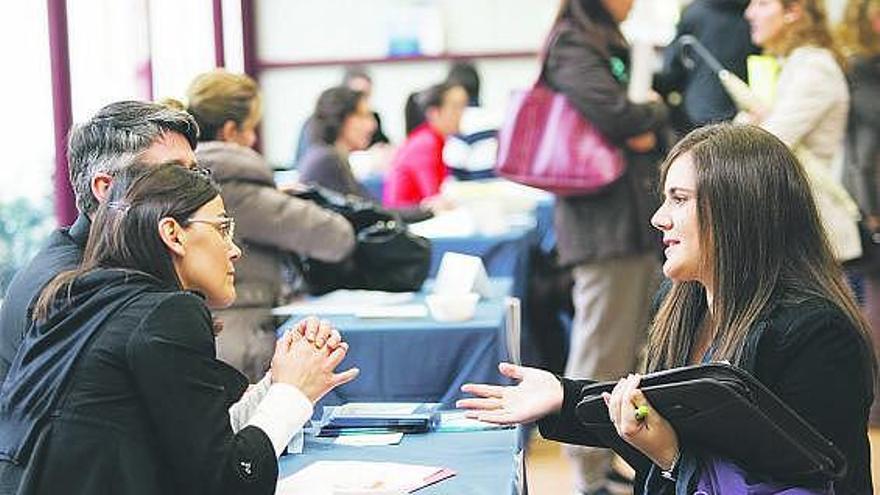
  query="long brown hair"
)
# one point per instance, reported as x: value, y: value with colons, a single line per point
x: 764, y: 243
x: 125, y: 231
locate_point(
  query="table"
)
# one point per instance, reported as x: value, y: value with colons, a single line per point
x: 419, y: 359
x: 486, y: 462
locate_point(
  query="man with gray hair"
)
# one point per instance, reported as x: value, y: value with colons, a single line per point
x: 117, y: 136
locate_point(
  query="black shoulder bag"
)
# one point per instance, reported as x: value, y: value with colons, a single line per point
x: 387, y: 256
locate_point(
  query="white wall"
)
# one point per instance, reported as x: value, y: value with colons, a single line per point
x: 290, y: 95
x: 345, y: 29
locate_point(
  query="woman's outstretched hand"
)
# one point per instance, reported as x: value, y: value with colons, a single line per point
x: 537, y: 394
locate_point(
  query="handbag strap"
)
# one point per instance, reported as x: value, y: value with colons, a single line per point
x: 545, y: 50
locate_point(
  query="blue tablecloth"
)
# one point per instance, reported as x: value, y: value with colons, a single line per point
x: 486, y: 462
x: 419, y: 359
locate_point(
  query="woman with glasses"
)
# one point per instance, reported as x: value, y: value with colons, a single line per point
x: 116, y: 389
x: 271, y: 223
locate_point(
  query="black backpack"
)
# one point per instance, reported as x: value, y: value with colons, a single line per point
x: 387, y: 256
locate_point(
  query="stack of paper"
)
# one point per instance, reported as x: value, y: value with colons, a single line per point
x: 349, y: 477
x: 369, y: 439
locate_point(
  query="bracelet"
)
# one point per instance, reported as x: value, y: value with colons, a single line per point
x: 668, y: 473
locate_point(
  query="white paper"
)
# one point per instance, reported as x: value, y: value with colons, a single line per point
x: 329, y: 477
x: 344, y: 302
x: 458, y: 421
x: 369, y: 440
x: 513, y: 328
x: 295, y: 446
x: 642, y: 58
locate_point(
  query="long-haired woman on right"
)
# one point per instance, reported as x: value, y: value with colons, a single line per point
x: 754, y: 284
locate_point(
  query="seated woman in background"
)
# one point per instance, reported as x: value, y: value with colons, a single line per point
x: 271, y: 223
x: 342, y: 123
x: 754, y: 283
x: 418, y: 170
x: 356, y: 79
x: 116, y: 388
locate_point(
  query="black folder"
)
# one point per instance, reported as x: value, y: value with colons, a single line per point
x: 723, y: 410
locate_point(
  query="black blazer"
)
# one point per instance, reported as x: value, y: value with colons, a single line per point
x: 812, y: 358
x: 145, y: 405
x: 63, y: 251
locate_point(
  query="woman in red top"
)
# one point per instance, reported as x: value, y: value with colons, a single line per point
x: 418, y: 169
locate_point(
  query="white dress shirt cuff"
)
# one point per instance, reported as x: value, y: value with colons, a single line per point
x: 281, y: 414
x: 241, y: 411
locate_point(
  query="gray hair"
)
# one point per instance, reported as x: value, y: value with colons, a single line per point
x: 113, y: 139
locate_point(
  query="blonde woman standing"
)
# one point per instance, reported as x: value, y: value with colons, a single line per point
x: 809, y: 112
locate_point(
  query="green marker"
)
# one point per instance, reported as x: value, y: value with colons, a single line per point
x: 641, y: 413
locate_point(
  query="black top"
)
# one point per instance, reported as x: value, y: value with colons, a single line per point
x: 142, y: 406
x: 811, y: 357
x: 863, y: 134
x: 324, y: 166
x: 720, y: 26
x: 63, y: 251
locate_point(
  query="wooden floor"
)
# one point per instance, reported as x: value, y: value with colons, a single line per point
x: 549, y: 472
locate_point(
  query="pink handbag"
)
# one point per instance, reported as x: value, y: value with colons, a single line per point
x: 546, y: 143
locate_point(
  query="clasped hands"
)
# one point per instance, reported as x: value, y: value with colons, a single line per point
x: 307, y: 355
x: 539, y: 393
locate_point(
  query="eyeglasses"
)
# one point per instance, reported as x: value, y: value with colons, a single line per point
x: 224, y: 225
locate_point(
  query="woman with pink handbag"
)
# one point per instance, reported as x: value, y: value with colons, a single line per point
x: 605, y: 235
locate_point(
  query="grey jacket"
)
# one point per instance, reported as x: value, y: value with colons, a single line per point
x: 269, y: 222
x: 863, y: 134
x: 324, y: 166
x: 616, y: 221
